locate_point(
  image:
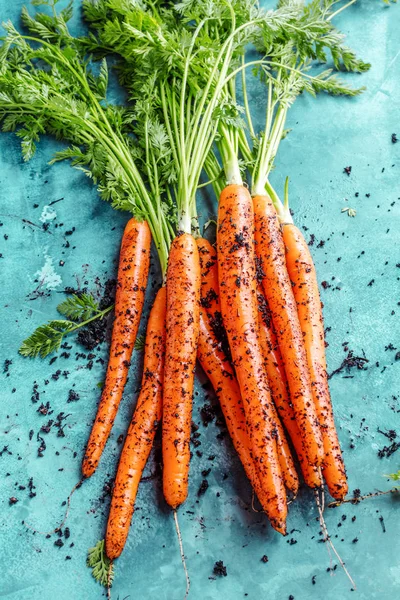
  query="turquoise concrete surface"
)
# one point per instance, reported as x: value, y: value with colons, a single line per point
x: 360, y: 259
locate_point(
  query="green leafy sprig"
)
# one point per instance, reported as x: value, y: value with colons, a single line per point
x: 79, y: 307
x: 80, y: 310
x: 101, y: 565
x: 290, y: 70
x: 394, y: 476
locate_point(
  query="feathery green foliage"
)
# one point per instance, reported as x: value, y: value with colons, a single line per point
x: 394, y: 476
x: 80, y: 310
x: 176, y: 65
x: 78, y: 307
x: 172, y: 57
x: 46, y: 338
x: 293, y: 67
x: 48, y: 86
x: 102, y: 567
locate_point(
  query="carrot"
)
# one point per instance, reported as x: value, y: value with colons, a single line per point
x: 133, y: 272
x: 209, y: 295
x: 209, y: 288
x: 221, y: 375
x: 215, y: 363
x: 237, y: 285
x: 141, y: 432
x: 279, y: 295
x: 279, y: 389
x: 182, y: 323
x: 286, y: 463
x: 305, y: 288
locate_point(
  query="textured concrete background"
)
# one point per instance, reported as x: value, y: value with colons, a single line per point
x: 358, y: 259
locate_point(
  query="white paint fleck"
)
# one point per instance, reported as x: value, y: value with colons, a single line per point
x: 48, y: 214
x: 47, y: 275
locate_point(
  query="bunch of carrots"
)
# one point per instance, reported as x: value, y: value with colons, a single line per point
x: 248, y: 307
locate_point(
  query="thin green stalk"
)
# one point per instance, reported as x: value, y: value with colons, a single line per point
x: 244, y: 146
x: 184, y: 195
x: 333, y: 15
x: 268, y: 152
x: 282, y: 208
x: 215, y: 173
x: 264, y: 143
x: 242, y: 69
x: 229, y: 153
x: 164, y: 104
x: 246, y: 100
x: 99, y: 315
x: 209, y: 182
x: 200, y: 143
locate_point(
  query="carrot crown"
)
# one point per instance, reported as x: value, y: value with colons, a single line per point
x: 282, y: 208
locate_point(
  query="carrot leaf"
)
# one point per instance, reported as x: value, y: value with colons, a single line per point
x: 140, y: 343
x: 46, y: 338
x: 394, y: 476
x: 48, y: 85
x: 78, y: 308
x: 102, y: 567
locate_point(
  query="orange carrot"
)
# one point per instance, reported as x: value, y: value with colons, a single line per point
x: 215, y: 363
x: 133, y: 272
x: 279, y: 390
x: 279, y: 295
x: 305, y: 288
x: 209, y: 294
x: 141, y: 432
x: 237, y: 286
x: 182, y: 322
x: 223, y: 380
x: 286, y: 463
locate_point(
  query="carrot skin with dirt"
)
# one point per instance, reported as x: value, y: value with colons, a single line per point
x: 238, y: 296
x: 305, y: 288
x: 133, y: 270
x: 279, y: 390
x: 209, y: 290
x: 209, y: 295
x: 279, y: 295
x: 286, y: 463
x: 141, y: 432
x: 182, y: 326
x: 211, y: 354
x: 220, y: 373
x: 216, y: 365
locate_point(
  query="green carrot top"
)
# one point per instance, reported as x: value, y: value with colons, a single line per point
x: 287, y: 65
x: 182, y: 60
x: 47, y: 86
